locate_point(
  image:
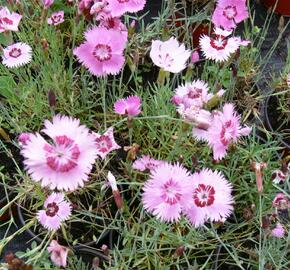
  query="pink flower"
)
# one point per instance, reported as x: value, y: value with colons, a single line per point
x: 24, y: 138
x: 281, y: 201
x: 66, y: 161
x: 219, y: 47
x: 278, y: 231
x: 102, y: 52
x: 167, y: 192
x: 56, y: 18
x: 8, y: 20
x: 194, y: 57
x: 211, y: 199
x: 229, y: 13
x: 193, y: 94
x: 120, y: 7
x: 225, y: 129
x: 47, y: 3
x: 57, y: 210
x: 115, y: 23
x: 16, y: 55
x: 130, y: 106
x: 278, y: 176
x: 200, y: 117
x: 105, y: 143
x: 169, y: 55
x: 146, y: 163
x: 58, y: 253
x: 288, y: 79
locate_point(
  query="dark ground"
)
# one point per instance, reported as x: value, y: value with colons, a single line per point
x: 275, y: 64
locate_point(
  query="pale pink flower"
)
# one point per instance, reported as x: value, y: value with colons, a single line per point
x: 47, y: 3
x: 130, y: 106
x: 211, y: 198
x: 120, y: 7
x: 281, y: 201
x: 102, y: 52
x: 105, y: 143
x: 167, y: 192
x: 84, y: 5
x: 200, y: 117
x: 101, y: 11
x: 8, y: 20
x: 56, y: 18
x: 288, y: 79
x: 66, y: 161
x: 58, y: 253
x: 24, y: 138
x: 224, y: 129
x: 194, y: 57
x: 16, y: 55
x: 146, y: 162
x: 219, y: 46
x: 229, y: 13
x: 56, y: 210
x: 169, y: 55
x: 193, y: 94
x: 278, y: 231
x: 278, y: 176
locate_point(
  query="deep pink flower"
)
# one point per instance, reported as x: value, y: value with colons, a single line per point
x: 58, y: 253
x: 24, y: 138
x: 229, y: 13
x: 278, y: 231
x: 66, y: 161
x: 16, y: 55
x: 167, y: 192
x: 194, y: 57
x: 8, y: 20
x: 120, y: 7
x: 224, y: 129
x: 146, y: 163
x: 105, y: 143
x: 219, y: 46
x: 130, y: 106
x: 56, y: 210
x: 169, y: 55
x: 211, y: 198
x: 56, y: 18
x: 47, y: 3
x: 102, y: 52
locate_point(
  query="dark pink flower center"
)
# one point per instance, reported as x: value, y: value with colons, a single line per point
x: 52, y: 209
x: 194, y: 93
x: 5, y: 20
x: 230, y: 12
x: 63, y: 155
x: 123, y: 1
x: 15, y: 53
x: 56, y: 19
x: 171, y: 192
x: 227, y: 133
x: 167, y: 60
x: 104, y: 143
x: 102, y: 52
x: 219, y: 42
x: 204, y: 195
